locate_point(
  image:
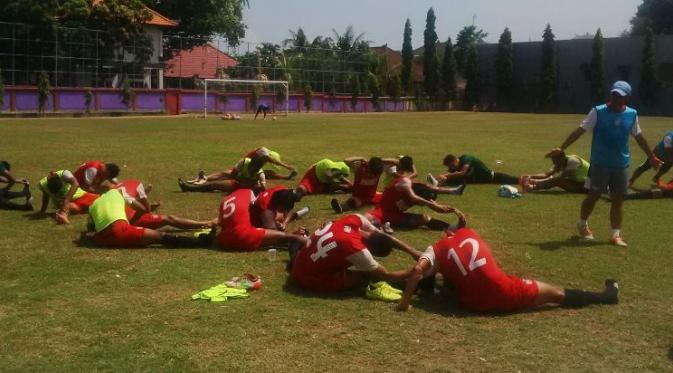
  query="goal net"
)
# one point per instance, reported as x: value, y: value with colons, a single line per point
x: 223, y: 85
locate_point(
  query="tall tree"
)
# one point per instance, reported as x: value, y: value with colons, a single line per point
x: 653, y: 14
x: 598, y: 69
x: 430, y: 57
x: 201, y: 20
x: 298, y: 41
x: 355, y: 91
x: 649, y: 83
x: 504, y: 68
x: 548, y: 72
x: 473, y: 83
x: 449, y: 72
x: 407, y: 60
x: 374, y: 89
x: 467, y: 37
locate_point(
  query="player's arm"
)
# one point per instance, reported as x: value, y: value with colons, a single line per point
x: 10, y: 179
x: 654, y: 161
x: 138, y: 207
x: 405, y: 188
x: 381, y: 273
x: 415, y: 275
x: 74, y: 185
x: 268, y: 219
x: 45, y: 203
x: 460, y: 173
x: 352, y: 162
x: 390, y: 161
x: 279, y: 163
x: 399, y: 244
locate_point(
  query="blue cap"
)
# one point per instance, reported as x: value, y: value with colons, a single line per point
x: 622, y: 88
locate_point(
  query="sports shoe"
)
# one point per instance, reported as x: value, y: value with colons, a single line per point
x: 202, y: 175
x: 460, y: 189
x: 584, y: 232
x: 292, y: 175
x: 382, y: 291
x: 611, y: 291
x: 336, y: 206
x: 183, y: 186
x: 618, y: 241
x: 431, y: 180
x: 386, y: 228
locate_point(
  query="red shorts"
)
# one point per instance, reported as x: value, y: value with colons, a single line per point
x: 511, y: 294
x: 324, y: 282
x: 311, y: 183
x: 241, y: 238
x: 369, y: 199
x: 151, y: 221
x: 399, y: 219
x: 83, y: 203
x: 120, y: 234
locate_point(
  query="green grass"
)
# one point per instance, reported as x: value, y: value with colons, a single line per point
x: 67, y: 308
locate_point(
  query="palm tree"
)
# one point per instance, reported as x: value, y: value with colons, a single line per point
x: 297, y: 41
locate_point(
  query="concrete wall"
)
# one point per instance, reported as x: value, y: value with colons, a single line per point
x: 622, y: 61
x: 73, y: 100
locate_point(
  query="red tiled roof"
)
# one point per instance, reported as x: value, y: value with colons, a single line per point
x: 394, y: 60
x: 156, y: 20
x: 202, y: 61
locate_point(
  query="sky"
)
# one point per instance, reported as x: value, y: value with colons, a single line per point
x: 382, y: 21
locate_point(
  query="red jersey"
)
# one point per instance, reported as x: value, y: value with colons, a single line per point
x: 263, y: 202
x: 329, y: 247
x: 393, y: 201
x: 99, y: 167
x: 466, y: 261
x: 235, y: 209
x: 365, y: 183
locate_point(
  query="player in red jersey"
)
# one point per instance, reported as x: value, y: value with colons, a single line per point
x: 338, y: 256
x: 365, y: 184
x: 147, y: 219
x: 400, y: 195
x: 465, y: 261
x: 272, y: 208
x: 237, y: 232
x: 96, y: 177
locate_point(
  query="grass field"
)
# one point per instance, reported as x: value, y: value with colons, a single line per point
x: 69, y: 308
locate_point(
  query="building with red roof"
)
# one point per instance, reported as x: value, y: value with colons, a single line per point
x: 203, y: 62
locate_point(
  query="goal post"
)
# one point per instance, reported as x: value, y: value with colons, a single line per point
x: 284, y: 83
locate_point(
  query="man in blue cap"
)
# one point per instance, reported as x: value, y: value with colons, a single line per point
x: 612, y: 124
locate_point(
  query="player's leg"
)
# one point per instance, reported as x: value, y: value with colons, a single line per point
x: 645, y: 194
x: 618, y: 181
x: 639, y: 171
x: 418, y: 220
x: 273, y: 237
x: 221, y: 185
x: 597, y: 184
x: 574, y: 298
x: 350, y: 204
x: 502, y: 178
x: 6, y: 204
x: 448, y: 190
x: 662, y: 170
x: 356, y: 279
x: 259, y: 110
x: 184, y: 223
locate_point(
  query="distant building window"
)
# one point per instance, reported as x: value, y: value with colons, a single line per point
x: 666, y: 72
x: 624, y: 72
x: 586, y: 69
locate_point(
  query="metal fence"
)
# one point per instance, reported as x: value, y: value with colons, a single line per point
x: 91, y: 58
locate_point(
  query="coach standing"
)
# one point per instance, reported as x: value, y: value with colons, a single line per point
x: 611, y: 124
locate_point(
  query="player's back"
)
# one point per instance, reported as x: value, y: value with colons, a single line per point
x: 393, y: 200
x: 466, y: 261
x: 235, y: 209
x: 80, y: 173
x: 330, y: 246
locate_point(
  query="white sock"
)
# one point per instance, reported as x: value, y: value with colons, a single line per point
x: 616, y: 232
x: 582, y: 223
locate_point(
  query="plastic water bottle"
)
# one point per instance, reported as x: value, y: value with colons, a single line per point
x: 301, y: 212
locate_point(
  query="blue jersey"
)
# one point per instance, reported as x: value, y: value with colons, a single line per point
x: 263, y: 107
x: 660, y: 149
x: 610, y: 143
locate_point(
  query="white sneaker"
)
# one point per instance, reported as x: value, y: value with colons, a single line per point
x: 431, y: 180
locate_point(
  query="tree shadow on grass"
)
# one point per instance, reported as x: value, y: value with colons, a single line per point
x: 572, y: 242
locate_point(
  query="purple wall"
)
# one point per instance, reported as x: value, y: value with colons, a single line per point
x: 150, y: 101
x: 111, y: 101
x: 5, y: 106
x: 73, y: 101
x: 27, y: 101
x: 191, y: 101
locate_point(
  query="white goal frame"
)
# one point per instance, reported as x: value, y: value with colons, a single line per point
x: 284, y: 83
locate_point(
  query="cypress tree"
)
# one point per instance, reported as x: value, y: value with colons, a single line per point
x: 504, y: 68
x: 598, y: 69
x: 407, y: 60
x: 449, y: 72
x: 430, y: 58
x: 649, y: 84
x: 548, y: 73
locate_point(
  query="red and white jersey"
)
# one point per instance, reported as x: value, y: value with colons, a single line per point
x: 91, y: 173
x: 466, y: 260
x: 365, y: 184
x: 393, y: 200
x: 334, y: 248
x: 235, y: 209
x: 263, y: 203
x: 133, y: 189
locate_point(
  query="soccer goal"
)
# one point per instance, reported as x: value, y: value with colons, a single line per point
x: 224, y: 82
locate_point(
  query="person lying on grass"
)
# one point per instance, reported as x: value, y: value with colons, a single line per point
x: 7, y: 195
x: 340, y: 256
x: 465, y: 261
x: 62, y: 188
x: 247, y: 174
